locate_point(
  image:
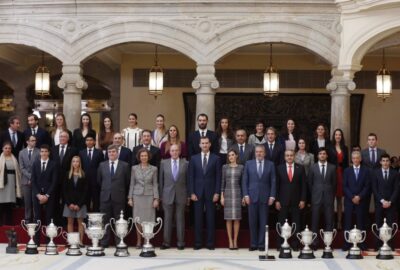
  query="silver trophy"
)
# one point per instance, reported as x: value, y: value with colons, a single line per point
x: 73, y: 239
x: 95, y: 231
x: 385, y: 234
x: 31, y: 229
x: 328, y: 237
x: 306, y: 237
x: 51, y: 231
x: 285, y: 231
x: 122, y: 229
x: 355, y: 236
x: 147, y: 233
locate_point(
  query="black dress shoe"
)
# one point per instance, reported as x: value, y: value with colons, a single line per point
x: 197, y: 247
x: 252, y: 248
x: 164, y: 247
x: 261, y: 249
x: 181, y: 247
x: 210, y: 247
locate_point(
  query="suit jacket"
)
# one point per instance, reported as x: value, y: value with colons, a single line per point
x: 204, y: 185
x: 44, y: 182
x: 291, y: 193
x: 385, y: 189
x: 277, y: 155
x: 172, y: 190
x: 322, y: 190
x: 314, y: 147
x: 259, y: 189
x: 356, y: 187
x: 248, y: 152
x: 332, y: 156
x: 124, y: 154
x: 90, y: 166
x: 114, y: 189
x: 65, y: 164
x: 144, y: 182
x: 78, y: 141
x: 75, y: 194
x: 53, y: 133
x: 155, y: 155
x: 25, y: 164
x: 366, y: 159
x: 194, y: 142
x: 5, y: 137
x: 42, y: 136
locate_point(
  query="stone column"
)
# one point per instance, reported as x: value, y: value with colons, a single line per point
x: 73, y: 83
x: 205, y: 85
x: 340, y: 87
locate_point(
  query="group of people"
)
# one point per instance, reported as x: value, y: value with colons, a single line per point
x: 66, y: 174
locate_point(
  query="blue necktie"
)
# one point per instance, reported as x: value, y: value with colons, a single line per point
x: 259, y: 169
x: 241, y: 152
x: 357, y: 172
x: 175, y: 170
x: 30, y: 154
x: 112, y: 169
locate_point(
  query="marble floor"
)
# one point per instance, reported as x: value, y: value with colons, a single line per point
x: 188, y: 259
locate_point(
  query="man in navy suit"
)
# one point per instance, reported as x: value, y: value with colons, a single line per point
x: 259, y: 191
x: 356, y: 188
x: 42, y: 136
x: 204, y: 185
x: 13, y: 135
x: 274, y: 150
x: 44, y: 183
x: 385, y: 186
x: 124, y: 153
x: 194, y: 138
x: 91, y: 158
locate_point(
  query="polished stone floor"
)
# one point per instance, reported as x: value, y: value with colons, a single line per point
x: 189, y: 259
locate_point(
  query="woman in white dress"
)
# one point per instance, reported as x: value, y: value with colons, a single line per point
x: 132, y: 133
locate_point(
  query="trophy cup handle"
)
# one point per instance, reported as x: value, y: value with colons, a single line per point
x: 395, y: 227
x: 365, y: 236
x: 61, y: 231
x: 137, y: 219
x: 64, y: 235
x: 346, y: 236
x: 314, y: 236
x: 278, y: 228
x: 39, y: 224
x: 298, y: 235
x: 334, y: 232
x: 159, y: 221
x: 374, y: 228
x: 321, y: 233
x: 84, y: 225
x: 43, y: 231
x: 23, y: 225
x: 112, y: 220
x: 130, y: 220
x: 293, y: 228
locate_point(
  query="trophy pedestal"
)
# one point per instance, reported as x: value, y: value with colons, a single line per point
x: 11, y: 250
x: 147, y: 254
x: 327, y: 254
x: 51, y: 249
x: 306, y: 254
x: 121, y: 251
x: 266, y: 257
x: 74, y: 251
x: 285, y: 253
x: 31, y: 249
x: 385, y: 253
x: 354, y: 254
x: 95, y: 252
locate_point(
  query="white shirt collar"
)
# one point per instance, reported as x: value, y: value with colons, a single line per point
x: 115, y: 162
x: 320, y: 164
x: 203, y: 130
x: 41, y: 161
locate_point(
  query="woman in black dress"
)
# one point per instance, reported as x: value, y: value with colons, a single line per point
x: 78, y: 137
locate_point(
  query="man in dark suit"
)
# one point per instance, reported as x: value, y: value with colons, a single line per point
x: 245, y: 150
x: 174, y: 196
x: 274, y: 150
x: 356, y: 189
x: 322, y: 184
x: 194, y: 138
x: 146, y: 143
x: 44, y: 183
x: 13, y: 135
x: 371, y: 156
x: 124, y: 153
x: 113, y: 177
x: 42, y: 136
x: 385, y: 186
x: 26, y: 159
x: 91, y: 158
x: 259, y: 191
x: 291, y: 192
x: 204, y: 185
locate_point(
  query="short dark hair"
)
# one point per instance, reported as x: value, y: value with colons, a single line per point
x: 90, y: 135
x: 146, y: 130
x: 45, y: 146
x: 12, y: 119
x: 28, y: 137
x: 372, y: 135
x: 133, y: 114
x: 205, y: 138
x: 322, y: 149
x: 385, y: 155
x: 202, y: 115
x: 34, y: 116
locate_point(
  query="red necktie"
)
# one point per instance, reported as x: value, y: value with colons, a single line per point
x: 290, y: 174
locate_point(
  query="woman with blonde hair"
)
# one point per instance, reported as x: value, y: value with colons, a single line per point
x: 75, y: 189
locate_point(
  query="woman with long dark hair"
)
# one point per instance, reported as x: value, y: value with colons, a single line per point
x: 225, y: 138
x: 85, y: 127
x: 321, y: 139
x: 106, y: 134
x: 61, y: 125
x: 289, y: 136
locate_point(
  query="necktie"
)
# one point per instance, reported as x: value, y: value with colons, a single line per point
x: 175, y: 170
x: 323, y: 171
x: 135, y: 140
x: 62, y: 153
x: 202, y: 134
x: 30, y: 154
x: 43, y: 166
x: 290, y: 174
x: 14, y: 139
x: 271, y: 147
x: 259, y: 169
x: 112, y: 169
x: 373, y: 156
x: 241, y: 152
x: 33, y: 131
x: 357, y: 172
x: 386, y: 175
x: 90, y: 154
x: 204, y: 164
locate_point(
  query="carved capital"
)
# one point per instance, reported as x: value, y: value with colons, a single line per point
x: 72, y: 80
x: 205, y: 80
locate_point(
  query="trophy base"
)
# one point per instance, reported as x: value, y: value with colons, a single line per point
x: 306, y: 255
x: 327, y: 255
x: 74, y: 252
x: 31, y: 250
x: 121, y: 252
x: 51, y: 250
x: 354, y: 256
x: 11, y: 250
x: 385, y: 257
x: 266, y: 258
x: 285, y: 253
x: 147, y: 254
x: 95, y: 252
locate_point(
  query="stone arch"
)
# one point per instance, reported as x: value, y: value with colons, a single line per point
x: 165, y: 34
x: 313, y: 37
x: 35, y: 35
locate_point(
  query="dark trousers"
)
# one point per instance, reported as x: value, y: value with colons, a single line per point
x: 49, y: 213
x: 28, y: 202
x: 292, y: 214
x: 380, y: 214
x: 199, y: 207
x: 359, y: 211
x: 6, y: 210
x: 327, y: 209
x: 93, y: 200
x: 110, y: 209
x: 179, y: 209
x: 258, y: 218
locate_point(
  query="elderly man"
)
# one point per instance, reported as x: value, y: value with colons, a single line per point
x: 245, y: 150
